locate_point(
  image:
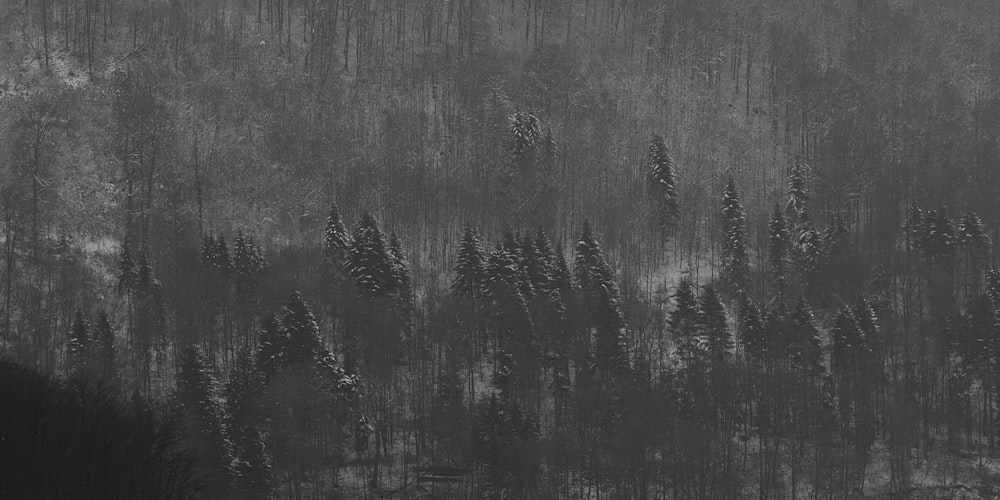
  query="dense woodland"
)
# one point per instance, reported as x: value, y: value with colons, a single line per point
x: 522, y: 249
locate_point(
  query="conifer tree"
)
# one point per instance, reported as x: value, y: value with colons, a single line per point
x: 126, y: 271
x: 752, y: 333
x: 80, y: 342
x: 201, y: 401
x: 336, y: 243
x: 914, y: 227
x: 209, y: 250
x: 780, y: 242
x: 223, y: 261
x: 104, y: 343
x: 562, y: 279
x: 402, y: 282
x: 974, y: 237
x: 663, y: 181
x: 684, y: 320
x: 535, y: 265
x: 735, y: 265
x: 303, y: 345
x: 940, y: 235
x: 798, y: 191
x: 368, y: 260
x: 470, y: 266
x: 847, y: 340
x: 273, y: 344
x: 610, y: 349
x: 712, y: 319
x: 803, y: 341
x: 589, y: 265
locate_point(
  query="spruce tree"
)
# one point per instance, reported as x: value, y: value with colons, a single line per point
x: 798, y: 192
x: 126, y: 271
x: 470, y: 266
x: 714, y: 328
x: 272, y: 347
x: 200, y: 399
x: 303, y: 344
x: 752, y: 333
x: 610, y: 349
x: 780, y: 242
x: 735, y: 266
x: 803, y: 341
x: 663, y: 181
x: 562, y: 280
x: 847, y: 340
x: 336, y: 243
x: 402, y: 281
x: 684, y: 320
x: 80, y: 343
x: 209, y: 250
x: 368, y: 261
x: 223, y: 261
x: 104, y: 344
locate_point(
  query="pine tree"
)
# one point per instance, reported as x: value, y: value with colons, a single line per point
x: 304, y: 345
x: 402, y: 282
x: 810, y: 255
x: 915, y: 228
x: 368, y: 260
x: 104, y: 344
x: 470, y: 266
x: 273, y: 344
x: 535, y: 265
x: 562, y: 280
x: 223, y: 261
x: 209, y: 250
x: 256, y: 478
x: 610, y: 339
x: 663, y: 181
x: 336, y: 243
x: 735, y: 266
x: 798, y: 192
x: 780, y: 242
x: 126, y: 271
x: 589, y: 265
x: 684, y: 320
x: 940, y: 236
x: 847, y: 340
x: 199, y: 397
x: 803, y: 342
x: 80, y: 341
x: 712, y: 320
x: 752, y: 332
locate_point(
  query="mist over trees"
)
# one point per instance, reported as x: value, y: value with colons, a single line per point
x: 499, y: 249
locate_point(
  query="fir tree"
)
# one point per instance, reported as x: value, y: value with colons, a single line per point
x: 798, y: 192
x: 126, y: 271
x: 273, y: 344
x: 803, y: 341
x: 610, y: 339
x: 590, y: 266
x: 684, y: 320
x: 79, y: 340
x: 810, y: 255
x: 336, y: 243
x: 780, y: 241
x: 535, y: 265
x: 303, y: 345
x: 104, y: 343
x: 470, y: 266
x: 562, y: 279
x: 712, y: 319
x: 256, y: 478
x: 368, y: 260
x: 973, y: 237
x: 223, y: 261
x: 752, y: 332
x: 940, y: 235
x: 200, y: 399
x: 915, y: 228
x: 209, y: 250
x: 847, y: 339
x: 735, y: 266
x: 402, y: 282
x: 663, y: 181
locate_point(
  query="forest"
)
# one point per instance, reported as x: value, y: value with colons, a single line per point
x: 499, y: 249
